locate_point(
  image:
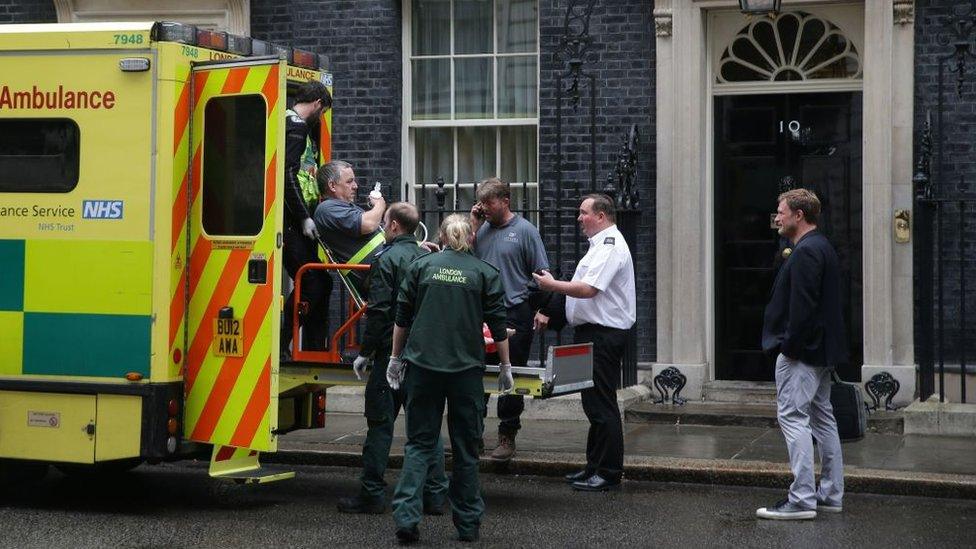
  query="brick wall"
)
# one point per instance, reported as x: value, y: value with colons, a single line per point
x: 362, y: 40
x: 622, y: 59
x: 27, y: 11
x: 958, y: 178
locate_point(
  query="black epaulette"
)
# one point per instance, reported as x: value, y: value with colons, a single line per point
x: 609, y: 240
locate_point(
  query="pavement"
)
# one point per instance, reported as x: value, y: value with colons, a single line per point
x: 880, y: 463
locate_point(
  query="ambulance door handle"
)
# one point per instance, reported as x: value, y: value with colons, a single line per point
x: 278, y: 241
x: 90, y: 429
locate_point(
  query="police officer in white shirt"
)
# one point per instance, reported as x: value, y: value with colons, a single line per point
x: 601, y: 305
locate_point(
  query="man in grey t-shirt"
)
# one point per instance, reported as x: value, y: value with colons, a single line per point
x: 513, y: 245
x: 352, y: 234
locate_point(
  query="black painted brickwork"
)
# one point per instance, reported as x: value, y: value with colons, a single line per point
x: 27, y: 11
x: 622, y: 59
x: 362, y: 39
x: 959, y: 150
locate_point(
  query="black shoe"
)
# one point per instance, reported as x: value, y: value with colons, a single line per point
x: 436, y: 509
x: 360, y: 505
x: 596, y: 483
x: 468, y: 536
x: 578, y: 476
x: 407, y: 536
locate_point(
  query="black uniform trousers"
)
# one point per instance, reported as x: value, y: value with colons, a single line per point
x: 510, y: 407
x: 605, y: 439
x: 316, y: 288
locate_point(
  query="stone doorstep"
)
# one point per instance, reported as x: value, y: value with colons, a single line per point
x: 740, y: 415
x: 940, y: 418
x: 567, y: 407
x: 669, y: 469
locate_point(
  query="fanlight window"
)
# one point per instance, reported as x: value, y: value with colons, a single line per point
x: 793, y: 46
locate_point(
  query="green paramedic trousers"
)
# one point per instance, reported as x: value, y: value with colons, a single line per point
x: 427, y: 391
x: 382, y: 408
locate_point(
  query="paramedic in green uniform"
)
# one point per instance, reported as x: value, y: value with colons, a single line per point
x: 351, y: 234
x: 382, y: 403
x: 444, y: 299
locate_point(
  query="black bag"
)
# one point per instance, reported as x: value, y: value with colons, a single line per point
x: 849, y: 411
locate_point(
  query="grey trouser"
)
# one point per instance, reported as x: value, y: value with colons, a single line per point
x: 804, y: 413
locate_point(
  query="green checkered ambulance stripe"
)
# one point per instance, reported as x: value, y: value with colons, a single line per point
x: 75, y: 308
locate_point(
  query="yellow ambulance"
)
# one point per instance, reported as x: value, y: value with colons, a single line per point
x: 140, y: 251
x: 140, y: 235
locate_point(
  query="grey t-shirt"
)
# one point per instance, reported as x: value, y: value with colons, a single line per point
x: 516, y: 250
x: 339, y: 225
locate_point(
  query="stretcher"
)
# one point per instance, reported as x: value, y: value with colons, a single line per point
x: 567, y: 368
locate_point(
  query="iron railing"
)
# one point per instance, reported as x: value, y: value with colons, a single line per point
x: 944, y: 202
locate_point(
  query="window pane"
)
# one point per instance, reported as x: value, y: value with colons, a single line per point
x: 473, y: 88
x: 476, y: 154
x: 434, y: 154
x: 518, y: 154
x: 431, y: 89
x: 39, y: 155
x: 517, y: 25
x: 517, y: 87
x: 430, y: 28
x: 233, y: 165
x: 472, y: 26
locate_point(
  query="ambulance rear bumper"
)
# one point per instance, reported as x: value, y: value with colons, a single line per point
x: 87, y: 422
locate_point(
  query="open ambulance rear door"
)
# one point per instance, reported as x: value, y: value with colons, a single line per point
x: 237, y: 111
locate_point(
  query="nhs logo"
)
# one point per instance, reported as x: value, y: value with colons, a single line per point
x: 101, y: 209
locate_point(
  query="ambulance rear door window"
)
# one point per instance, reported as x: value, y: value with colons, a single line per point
x: 39, y: 155
x: 233, y: 165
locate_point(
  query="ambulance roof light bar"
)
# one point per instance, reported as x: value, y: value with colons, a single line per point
x: 169, y: 31
x: 241, y: 45
x: 285, y: 52
x: 215, y: 40
x: 304, y: 58
x: 261, y: 47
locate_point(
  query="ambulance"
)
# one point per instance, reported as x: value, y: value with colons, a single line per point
x: 140, y: 252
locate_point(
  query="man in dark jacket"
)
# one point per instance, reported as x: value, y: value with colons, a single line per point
x: 804, y: 326
x: 382, y: 404
x: 299, y: 235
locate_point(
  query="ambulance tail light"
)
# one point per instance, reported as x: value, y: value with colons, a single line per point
x: 215, y: 40
x: 318, y: 409
x: 241, y: 45
x: 168, y: 31
x: 172, y: 424
x: 304, y: 58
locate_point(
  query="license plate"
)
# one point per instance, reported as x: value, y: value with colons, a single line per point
x: 228, y: 337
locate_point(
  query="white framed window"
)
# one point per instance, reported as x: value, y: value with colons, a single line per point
x: 471, y: 97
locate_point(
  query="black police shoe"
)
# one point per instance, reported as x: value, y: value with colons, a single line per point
x: 361, y: 506
x: 578, y: 476
x: 406, y: 536
x: 468, y: 536
x: 596, y: 483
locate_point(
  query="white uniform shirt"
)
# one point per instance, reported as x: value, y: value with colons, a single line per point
x: 608, y: 267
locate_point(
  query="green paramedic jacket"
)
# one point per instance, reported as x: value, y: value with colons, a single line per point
x: 389, y: 266
x: 444, y: 299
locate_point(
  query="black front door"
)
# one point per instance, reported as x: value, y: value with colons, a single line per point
x: 764, y: 145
